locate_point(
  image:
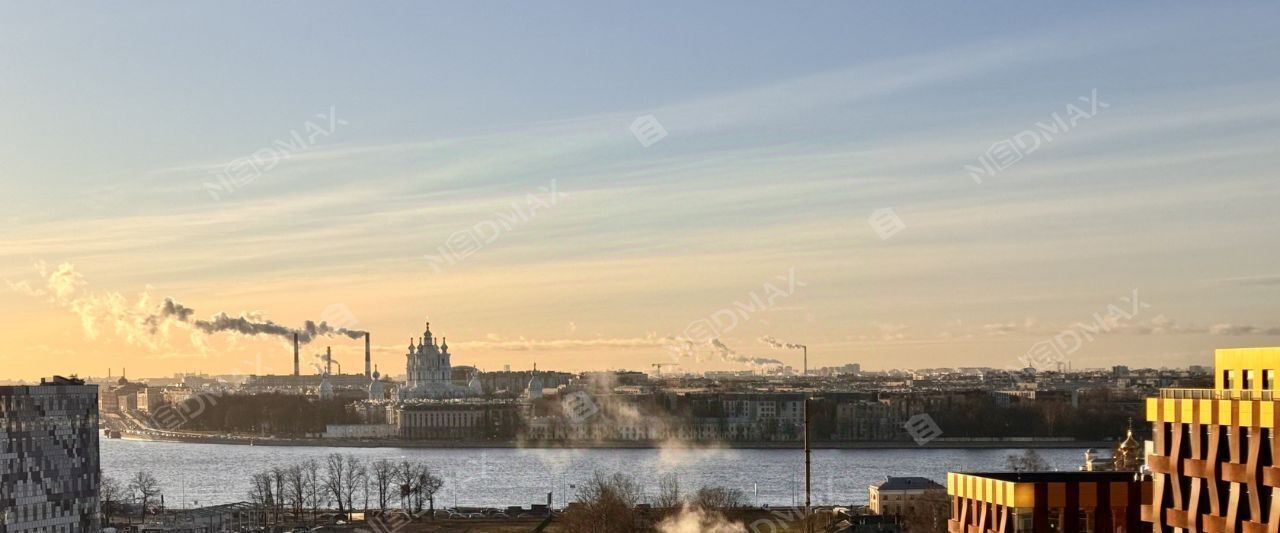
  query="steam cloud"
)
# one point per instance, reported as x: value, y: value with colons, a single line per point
x: 141, y: 322
x: 320, y: 360
x: 776, y: 344
x: 727, y: 354
x: 695, y: 520
x: 169, y: 309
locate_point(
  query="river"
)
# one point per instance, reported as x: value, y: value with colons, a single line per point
x: 209, y: 474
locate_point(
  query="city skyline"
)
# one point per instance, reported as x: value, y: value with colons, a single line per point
x: 886, y: 186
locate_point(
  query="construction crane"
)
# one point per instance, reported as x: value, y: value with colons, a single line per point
x: 659, y: 367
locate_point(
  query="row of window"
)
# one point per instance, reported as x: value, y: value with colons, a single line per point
x: 1248, y: 378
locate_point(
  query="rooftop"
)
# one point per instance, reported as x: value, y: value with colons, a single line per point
x: 1052, y: 477
x: 908, y: 483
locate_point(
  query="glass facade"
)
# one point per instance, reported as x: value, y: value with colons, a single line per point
x: 49, y: 458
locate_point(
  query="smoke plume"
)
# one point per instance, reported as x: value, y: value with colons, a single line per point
x: 168, y: 309
x: 321, y: 359
x: 144, y: 323
x: 778, y: 345
x: 727, y: 354
x: 251, y: 324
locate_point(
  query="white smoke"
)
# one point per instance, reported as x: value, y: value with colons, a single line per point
x: 141, y: 322
x: 695, y: 520
x: 727, y: 354
x: 777, y: 344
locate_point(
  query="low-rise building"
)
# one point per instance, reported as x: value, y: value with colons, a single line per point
x: 150, y: 398
x: 904, y: 495
x: 1070, y: 502
x: 455, y: 419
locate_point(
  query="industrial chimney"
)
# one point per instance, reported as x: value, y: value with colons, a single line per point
x: 328, y: 361
x: 368, y: 358
x: 295, y: 354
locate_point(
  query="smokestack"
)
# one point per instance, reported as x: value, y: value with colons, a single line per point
x: 328, y: 361
x: 295, y: 354
x: 368, y: 358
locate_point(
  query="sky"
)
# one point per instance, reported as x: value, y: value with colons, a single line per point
x: 590, y: 185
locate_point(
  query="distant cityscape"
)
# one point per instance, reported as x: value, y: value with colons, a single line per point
x: 442, y: 405
x: 438, y: 402
x: 643, y: 267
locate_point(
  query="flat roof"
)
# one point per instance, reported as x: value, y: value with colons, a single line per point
x: 1052, y: 477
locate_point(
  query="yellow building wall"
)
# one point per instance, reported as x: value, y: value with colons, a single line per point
x: 1240, y: 360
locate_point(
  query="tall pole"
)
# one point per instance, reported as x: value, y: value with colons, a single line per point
x: 806, y: 359
x: 808, y: 469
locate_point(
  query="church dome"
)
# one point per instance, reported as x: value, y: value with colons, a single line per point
x: 1129, y: 443
x: 535, y: 387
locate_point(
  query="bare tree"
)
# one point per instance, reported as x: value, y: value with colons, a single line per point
x: 717, y: 499
x: 296, y: 488
x: 605, y: 503
x: 261, y: 494
x: 109, y: 493
x: 1029, y: 461
x: 353, y: 476
x: 668, y: 492
x: 364, y: 487
x: 428, y: 485
x: 417, y: 485
x: 383, y: 474
x: 315, y: 490
x: 406, y: 478
x: 334, y: 479
x: 144, y: 487
x: 278, y: 477
x: 929, y: 513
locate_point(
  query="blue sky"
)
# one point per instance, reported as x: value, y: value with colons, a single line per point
x: 787, y: 129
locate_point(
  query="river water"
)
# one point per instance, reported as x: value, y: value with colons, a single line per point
x: 209, y: 474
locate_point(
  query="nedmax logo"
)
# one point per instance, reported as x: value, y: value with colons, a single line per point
x: 886, y: 223
x: 648, y: 130
x: 1054, y: 350
x: 727, y: 319
x: 465, y: 242
x: 169, y: 417
x: 339, y: 316
x: 922, y: 428
x: 1004, y: 153
x: 579, y: 407
x: 244, y: 170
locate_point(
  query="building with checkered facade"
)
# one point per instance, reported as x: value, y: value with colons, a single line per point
x: 49, y: 457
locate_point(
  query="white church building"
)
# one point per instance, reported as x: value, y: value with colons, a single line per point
x: 430, y: 373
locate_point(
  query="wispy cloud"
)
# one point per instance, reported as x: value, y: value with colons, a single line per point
x: 1254, y: 281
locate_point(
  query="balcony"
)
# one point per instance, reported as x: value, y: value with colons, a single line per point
x: 1217, y: 394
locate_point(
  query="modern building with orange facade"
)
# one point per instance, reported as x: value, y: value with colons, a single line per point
x: 1068, y: 502
x: 1213, y: 461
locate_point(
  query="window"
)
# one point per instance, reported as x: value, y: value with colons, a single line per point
x: 1247, y: 383
x: 1268, y: 380
x: 1226, y: 379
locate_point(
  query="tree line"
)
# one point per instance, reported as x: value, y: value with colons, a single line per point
x: 344, y: 483
x: 305, y: 490
x: 274, y: 413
